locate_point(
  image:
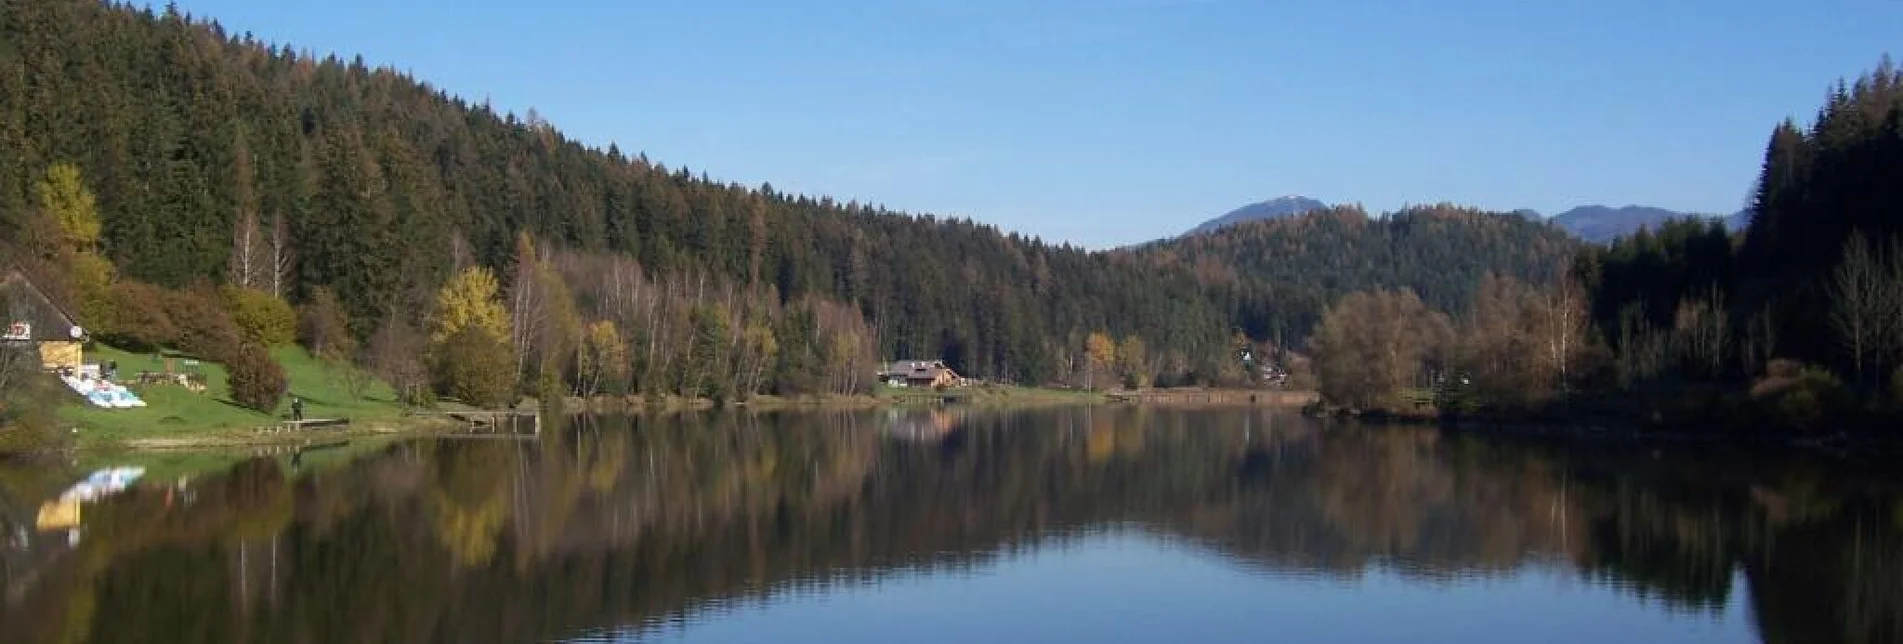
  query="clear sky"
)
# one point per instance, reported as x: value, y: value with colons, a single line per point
x: 1106, y: 122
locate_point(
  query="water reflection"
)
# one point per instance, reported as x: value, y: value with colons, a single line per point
x: 616, y: 527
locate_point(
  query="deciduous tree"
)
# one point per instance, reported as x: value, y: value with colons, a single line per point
x: 256, y: 380
x: 470, y: 300
x: 1371, y: 348
x: 1133, y: 359
x: 1861, y: 309
x: 324, y: 327
x: 603, y: 362
x: 1100, y: 353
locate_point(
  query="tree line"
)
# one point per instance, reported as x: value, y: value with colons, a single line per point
x: 1790, y: 324
x: 1277, y: 276
x: 216, y: 157
x: 217, y: 164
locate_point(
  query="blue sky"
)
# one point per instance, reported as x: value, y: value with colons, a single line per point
x: 1106, y: 122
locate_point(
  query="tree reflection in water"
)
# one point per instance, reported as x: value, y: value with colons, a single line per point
x: 612, y: 522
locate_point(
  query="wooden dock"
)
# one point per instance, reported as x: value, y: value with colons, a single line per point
x: 312, y: 423
x: 499, y: 421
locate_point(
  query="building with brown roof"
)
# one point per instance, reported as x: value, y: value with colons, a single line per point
x: 920, y: 373
x: 29, y: 317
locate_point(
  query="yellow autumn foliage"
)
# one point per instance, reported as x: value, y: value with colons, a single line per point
x: 470, y: 300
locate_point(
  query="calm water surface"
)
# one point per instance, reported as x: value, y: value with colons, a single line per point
x: 1104, y: 525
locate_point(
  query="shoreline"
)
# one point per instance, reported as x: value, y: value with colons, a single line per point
x: 417, y: 423
x: 223, y: 438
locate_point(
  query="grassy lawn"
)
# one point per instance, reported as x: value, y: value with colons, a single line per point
x: 175, y: 411
x: 990, y: 394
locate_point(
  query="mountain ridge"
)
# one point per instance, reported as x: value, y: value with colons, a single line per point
x: 1279, y: 207
x: 1600, y: 224
x: 1595, y: 223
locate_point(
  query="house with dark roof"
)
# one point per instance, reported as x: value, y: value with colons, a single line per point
x: 920, y: 373
x: 28, y: 317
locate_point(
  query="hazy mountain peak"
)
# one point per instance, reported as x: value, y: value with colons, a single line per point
x: 1283, y: 206
x: 1600, y: 224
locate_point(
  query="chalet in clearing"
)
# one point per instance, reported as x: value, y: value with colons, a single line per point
x: 920, y: 373
x: 31, y: 318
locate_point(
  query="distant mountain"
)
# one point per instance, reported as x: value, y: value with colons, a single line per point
x: 1272, y: 209
x: 1597, y: 224
x: 1601, y: 224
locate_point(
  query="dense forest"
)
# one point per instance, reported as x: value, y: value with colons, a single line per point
x: 1287, y: 270
x: 178, y: 186
x: 155, y: 165
x: 1806, y: 305
x: 1796, y: 323
x: 379, y: 188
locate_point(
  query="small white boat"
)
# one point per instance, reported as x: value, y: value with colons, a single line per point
x: 101, y: 393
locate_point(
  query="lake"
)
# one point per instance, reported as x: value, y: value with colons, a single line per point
x: 1109, y: 524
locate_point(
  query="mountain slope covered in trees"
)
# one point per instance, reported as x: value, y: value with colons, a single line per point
x: 382, y: 186
x: 358, y: 192
x: 1818, y: 274
x: 1284, y: 272
x: 1792, y: 328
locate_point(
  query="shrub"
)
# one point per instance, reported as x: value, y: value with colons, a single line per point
x: 476, y: 367
x: 257, y: 381
x: 1802, y: 397
x: 396, y: 354
x: 324, y: 327
x: 28, y: 421
x: 137, y: 318
x: 28, y: 399
x: 550, y: 393
x: 261, y: 317
x: 1783, y: 368
x: 204, y: 327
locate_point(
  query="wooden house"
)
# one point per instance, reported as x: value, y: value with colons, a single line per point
x: 31, y: 318
x: 920, y: 373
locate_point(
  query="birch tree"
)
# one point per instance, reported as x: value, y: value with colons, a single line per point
x: 247, y: 241
x: 1858, y: 302
x: 248, y: 254
x: 280, y: 258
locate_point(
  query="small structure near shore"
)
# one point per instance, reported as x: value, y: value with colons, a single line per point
x: 312, y: 423
x: 495, y: 421
x: 31, y: 318
x: 920, y: 373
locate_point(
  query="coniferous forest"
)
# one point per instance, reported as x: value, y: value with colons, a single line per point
x: 180, y: 186
x: 356, y: 193
x: 197, y: 142
x: 1794, y: 324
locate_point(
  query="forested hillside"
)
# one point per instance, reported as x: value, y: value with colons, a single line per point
x: 384, y: 186
x: 1794, y: 326
x: 1285, y: 271
x: 205, y: 159
x: 1818, y: 274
